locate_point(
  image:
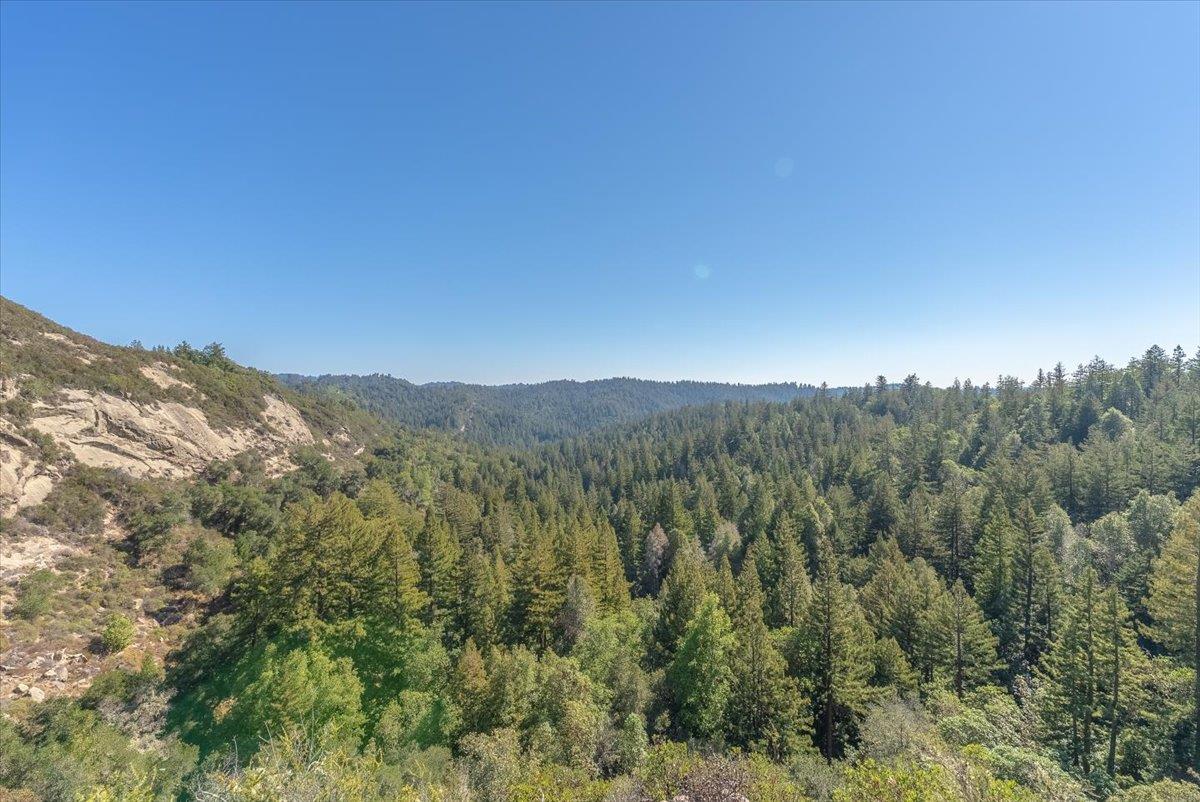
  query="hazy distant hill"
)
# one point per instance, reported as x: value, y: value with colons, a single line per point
x: 525, y: 414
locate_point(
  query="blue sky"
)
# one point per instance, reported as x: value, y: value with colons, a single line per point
x: 521, y: 192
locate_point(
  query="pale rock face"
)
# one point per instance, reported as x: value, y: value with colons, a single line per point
x: 21, y: 556
x: 80, y: 352
x: 24, y: 481
x: 285, y: 420
x: 165, y: 439
x: 158, y: 373
x: 9, y: 388
x: 160, y: 439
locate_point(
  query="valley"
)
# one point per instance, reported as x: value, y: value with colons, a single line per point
x: 751, y: 594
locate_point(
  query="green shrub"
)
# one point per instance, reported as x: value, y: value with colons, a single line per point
x: 304, y: 689
x: 66, y: 752
x: 72, y: 506
x: 35, y: 594
x: 154, y: 513
x: 1161, y: 791
x: 208, y: 564
x: 18, y: 409
x: 48, y: 450
x: 117, y: 634
x: 122, y: 686
x: 876, y: 782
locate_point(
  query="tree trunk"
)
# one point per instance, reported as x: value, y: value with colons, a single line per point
x: 1089, y: 696
x: 958, y: 658
x: 1110, y: 763
x: 829, y: 727
x: 1028, y: 645
x: 827, y: 648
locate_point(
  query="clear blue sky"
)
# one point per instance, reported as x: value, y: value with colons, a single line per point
x: 521, y: 192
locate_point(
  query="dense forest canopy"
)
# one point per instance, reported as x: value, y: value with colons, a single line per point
x: 528, y: 414
x: 981, y: 592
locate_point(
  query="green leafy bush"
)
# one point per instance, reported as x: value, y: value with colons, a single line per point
x: 35, y: 594
x: 209, y: 563
x: 72, y: 506
x: 118, y: 633
x: 304, y: 689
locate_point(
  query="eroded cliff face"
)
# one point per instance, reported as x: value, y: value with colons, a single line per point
x: 67, y: 400
x: 25, y: 479
x: 161, y: 438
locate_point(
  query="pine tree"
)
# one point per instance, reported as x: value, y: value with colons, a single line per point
x: 481, y: 610
x: 682, y: 592
x: 915, y: 530
x: 324, y: 567
x: 1151, y: 519
x: 573, y: 541
x: 834, y: 654
x: 1047, y: 600
x: 471, y: 687
x: 749, y: 596
x: 673, y: 516
x: 995, y: 589
x: 397, y: 590
x: 930, y: 649
x: 654, y: 555
x: 726, y: 588
x: 377, y: 499
x: 892, y: 600
x: 883, y: 508
x: 970, y: 640
x: 891, y: 669
x: 952, y: 525
x: 438, y: 553
x: 608, y: 575
x: 1091, y: 691
x: 1028, y: 579
x: 793, y: 589
x: 1121, y: 663
x: 578, y: 608
x: 538, y: 594
x: 763, y: 712
x: 1174, y: 600
x: 756, y: 520
x: 630, y: 534
x: 1072, y: 675
x: 303, y: 690
x: 502, y: 595
x: 761, y: 554
x: 707, y: 517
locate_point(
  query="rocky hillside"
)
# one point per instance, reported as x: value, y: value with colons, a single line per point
x: 65, y: 397
x: 98, y: 444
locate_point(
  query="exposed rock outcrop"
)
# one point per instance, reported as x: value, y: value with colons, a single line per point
x: 159, y: 373
x: 24, y: 479
x: 161, y: 438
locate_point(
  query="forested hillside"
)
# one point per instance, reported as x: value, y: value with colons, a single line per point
x: 982, y: 592
x: 528, y: 414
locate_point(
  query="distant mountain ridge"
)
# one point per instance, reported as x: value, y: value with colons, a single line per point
x: 528, y: 414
